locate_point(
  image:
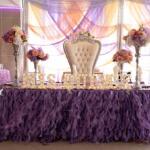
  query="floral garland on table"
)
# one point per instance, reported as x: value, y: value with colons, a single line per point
x: 123, y: 56
x: 37, y: 54
x: 140, y: 37
x: 80, y: 33
x: 14, y: 35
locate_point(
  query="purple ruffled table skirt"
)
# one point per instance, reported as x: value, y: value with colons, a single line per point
x: 89, y: 115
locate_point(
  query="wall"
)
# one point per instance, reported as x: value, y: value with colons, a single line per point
x: 8, y: 18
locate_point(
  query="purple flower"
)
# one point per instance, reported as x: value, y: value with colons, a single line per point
x: 44, y: 58
x: 142, y: 41
x: 33, y: 58
x: 30, y: 52
x: 134, y: 38
x: 146, y: 31
x: 6, y: 37
x: 40, y: 49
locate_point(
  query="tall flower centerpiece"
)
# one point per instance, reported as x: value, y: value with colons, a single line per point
x: 121, y: 57
x: 35, y: 55
x: 15, y: 36
x: 137, y: 38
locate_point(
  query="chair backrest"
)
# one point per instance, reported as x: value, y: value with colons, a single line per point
x: 82, y: 52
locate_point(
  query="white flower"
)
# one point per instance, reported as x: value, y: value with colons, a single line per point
x: 16, y: 28
x: 18, y: 40
x: 129, y: 41
x: 144, y: 35
x: 19, y: 33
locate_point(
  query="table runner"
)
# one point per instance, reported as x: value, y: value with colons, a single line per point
x: 76, y: 115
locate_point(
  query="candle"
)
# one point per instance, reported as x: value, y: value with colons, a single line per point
x: 4, y: 76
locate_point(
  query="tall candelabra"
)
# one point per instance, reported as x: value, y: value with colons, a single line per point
x: 137, y: 55
x: 16, y: 83
x: 35, y: 67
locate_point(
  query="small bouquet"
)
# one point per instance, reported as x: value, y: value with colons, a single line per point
x: 80, y: 33
x: 96, y: 70
x: 14, y: 35
x: 37, y: 54
x: 123, y: 56
x: 140, y: 37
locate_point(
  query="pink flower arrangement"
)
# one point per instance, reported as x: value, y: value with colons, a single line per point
x: 37, y: 54
x: 123, y: 56
x: 80, y: 33
x: 14, y: 35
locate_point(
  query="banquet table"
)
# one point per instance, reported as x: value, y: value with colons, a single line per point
x: 48, y: 115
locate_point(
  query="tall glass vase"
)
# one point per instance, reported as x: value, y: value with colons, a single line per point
x: 35, y: 67
x: 16, y: 83
x: 137, y: 55
x: 120, y: 66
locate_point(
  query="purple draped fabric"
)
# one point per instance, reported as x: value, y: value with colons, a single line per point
x: 88, y: 22
x: 91, y: 15
x: 89, y: 115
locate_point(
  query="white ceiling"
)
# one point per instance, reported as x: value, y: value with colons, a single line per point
x: 10, y: 3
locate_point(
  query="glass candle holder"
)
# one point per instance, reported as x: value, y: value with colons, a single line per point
x: 1, y: 66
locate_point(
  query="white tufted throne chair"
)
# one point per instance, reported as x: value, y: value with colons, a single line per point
x: 82, y: 52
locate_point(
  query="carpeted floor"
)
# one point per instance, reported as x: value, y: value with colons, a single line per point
x: 9, y: 145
